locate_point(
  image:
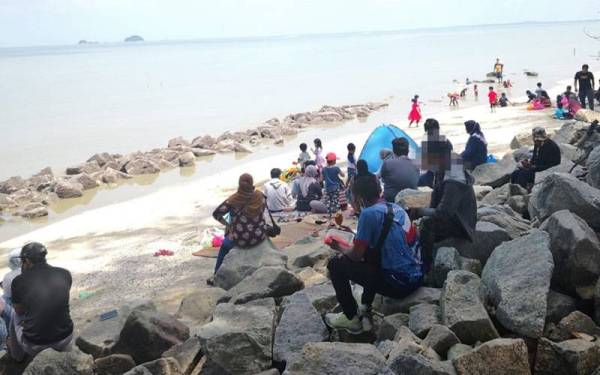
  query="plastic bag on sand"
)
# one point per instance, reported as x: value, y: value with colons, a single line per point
x: 211, y: 237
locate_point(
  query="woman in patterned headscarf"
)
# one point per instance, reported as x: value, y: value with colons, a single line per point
x: 242, y: 215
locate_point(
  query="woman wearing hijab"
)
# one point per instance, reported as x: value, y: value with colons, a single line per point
x: 475, y: 152
x: 307, y: 189
x: 242, y: 215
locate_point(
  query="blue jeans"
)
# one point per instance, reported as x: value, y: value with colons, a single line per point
x: 226, y: 247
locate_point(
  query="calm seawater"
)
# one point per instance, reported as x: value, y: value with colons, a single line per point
x: 59, y: 105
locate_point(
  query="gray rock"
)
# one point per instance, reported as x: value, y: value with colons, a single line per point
x: 561, y: 191
x: 516, y: 281
x: 568, y: 131
x: 12, y: 185
x: 201, y: 152
x: 115, y: 364
x: 141, y: 166
x: 148, y: 333
x: 99, y: 337
x: 462, y: 310
x: 187, y: 159
x: 559, y: 306
x: 446, y: 259
x: 239, y: 339
x: 161, y: 366
x: 422, y: 317
x: 498, y: 357
x: 89, y: 168
x: 111, y: 176
x: 240, y: 263
x: 7, y: 202
x: 50, y: 361
x: 523, y: 139
x: 390, y: 326
x: 102, y: 158
x: 457, y: 350
x: 310, y: 277
x: 331, y: 358
x: 495, y: 174
x: 576, y: 252
x: 481, y: 191
x: 197, y: 308
x: 204, y: 142
x: 409, y: 198
x: 564, y: 167
x: 577, y: 322
x: 487, y: 237
x: 389, y: 306
x: 440, y: 338
x: 500, y: 195
x: 322, y: 297
x: 187, y: 354
x: 568, y: 357
x: 300, y: 323
x: 265, y: 282
x: 504, y: 217
x: 179, y: 141
x: 68, y: 189
x: 41, y: 182
x: 519, y: 203
x: 33, y: 210
x: 418, y: 364
x: 307, y: 254
x: 570, y: 152
x: 593, y: 167
x: 86, y: 181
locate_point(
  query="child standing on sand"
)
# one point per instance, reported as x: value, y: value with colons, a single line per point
x: 415, y: 112
x: 318, y: 152
x: 304, y: 156
x: 332, y: 175
x: 476, y: 92
x: 493, y: 97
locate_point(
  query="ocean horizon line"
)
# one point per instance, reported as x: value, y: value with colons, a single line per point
x: 287, y: 37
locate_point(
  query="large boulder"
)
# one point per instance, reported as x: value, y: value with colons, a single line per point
x: 265, y: 282
x: 420, y: 365
x: 187, y: 354
x: 239, y: 339
x: 593, y: 167
x: 161, y: 366
x: 409, y: 198
x: 462, y: 309
x: 498, y: 357
x: 204, y: 142
x: 448, y: 259
x: 587, y: 115
x: 68, y: 189
x: 307, y: 253
x: 500, y: 196
x: 561, y: 191
x: 322, y: 297
x: 566, y: 166
x: 516, y: 282
x: 504, y: 217
x: 390, y: 325
x: 495, y: 174
x: 576, y: 251
x: 300, y: 323
x: 177, y: 142
x: 422, y: 317
x: 197, y: 308
x: 330, y: 358
x: 486, y: 238
x: 147, y: 333
x: 577, y: 322
x: 523, y: 139
x: 86, y: 181
x: 52, y: 362
x: 187, y: 159
x: 568, y: 132
x: 141, y: 166
x: 111, y: 176
x: 33, y: 210
x: 559, y: 306
x: 440, y: 338
x: 89, y: 168
x: 240, y: 263
x: 12, y: 185
x: 102, y: 158
x: 567, y: 357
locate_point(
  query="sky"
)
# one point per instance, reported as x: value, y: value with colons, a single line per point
x: 48, y: 22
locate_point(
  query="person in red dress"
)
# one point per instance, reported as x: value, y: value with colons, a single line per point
x: 493, y: 96
x: 415, y: 112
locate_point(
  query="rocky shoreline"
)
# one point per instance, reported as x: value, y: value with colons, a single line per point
x: 523, y: 298
x: 29, y: 198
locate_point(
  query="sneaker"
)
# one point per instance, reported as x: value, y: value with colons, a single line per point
x: 340, y: 321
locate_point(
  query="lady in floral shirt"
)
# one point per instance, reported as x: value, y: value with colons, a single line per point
x: 242, y: 215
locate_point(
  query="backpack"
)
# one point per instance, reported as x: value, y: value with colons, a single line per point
x: 391, y: 259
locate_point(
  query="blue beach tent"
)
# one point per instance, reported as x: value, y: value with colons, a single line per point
x: 381, y: 138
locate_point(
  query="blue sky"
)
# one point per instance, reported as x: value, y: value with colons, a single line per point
x: 41, y: 22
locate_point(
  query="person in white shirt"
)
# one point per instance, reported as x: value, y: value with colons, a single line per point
x: 278, y: 193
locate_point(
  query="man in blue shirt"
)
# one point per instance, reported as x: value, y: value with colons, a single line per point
x: 384, y: 259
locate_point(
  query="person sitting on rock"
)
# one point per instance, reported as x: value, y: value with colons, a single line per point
x: 384, y: 258
x: 14, y: 263
x: 398, y: 172
x: 306, y: 189
x: 40, y: 296
x: 475, y: 152
x: 278, y: 193
x: 546, y: 154
x: 453, y: 209
x: 242, y: 214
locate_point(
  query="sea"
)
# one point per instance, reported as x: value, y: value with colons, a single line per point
x: 61, y: 104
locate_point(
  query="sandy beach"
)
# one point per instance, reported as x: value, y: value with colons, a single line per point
x: 110, y: 250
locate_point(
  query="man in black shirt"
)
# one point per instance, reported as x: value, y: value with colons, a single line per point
x: 546, y: 154
x: 40, y: 296
x: 585, y: 79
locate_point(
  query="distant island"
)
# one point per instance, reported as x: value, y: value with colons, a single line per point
x: 83, y: 41
x: 134, y: 38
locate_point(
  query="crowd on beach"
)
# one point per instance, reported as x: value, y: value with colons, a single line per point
x: 392, y: 249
